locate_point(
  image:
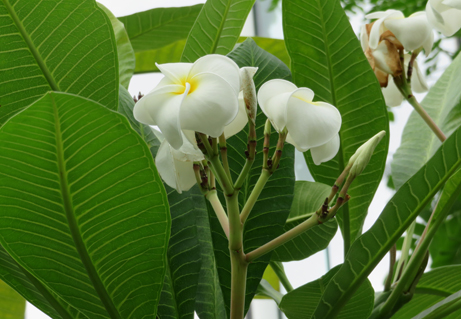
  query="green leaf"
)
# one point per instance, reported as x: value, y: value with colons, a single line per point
x: 270, y: 212
x: 448, y: 307
x: 80, y: 186
x: 145, y: 60
x: 433, y: 287
x: 308, y: 197
x: 217, y: 28
x: 327, y: 58
x: 126, y: 59
x: 66, y: 46
x: 396, y: 217
x: 33, y: 290
x: 12, y: 305
x: 443, y: 104
x: 300, y: 303
x: 184, y: 259
x: 445, y: 248
x: 157, y: 28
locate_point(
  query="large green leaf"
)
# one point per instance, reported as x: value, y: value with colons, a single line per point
x: 327, y: 58
x: 157, y: 28
x: 145, y: 60
x: 184, y: 259
x: 12, y: 305
x: 433, y: 287
x: 398, y: 214
x: 300, y: 303
x: 270, y: 212
x: 443, y: 104
x: 55, y: 45
x: 449, y: 307
x: 217, y: 28
x: 126, y: 58
x: 33, y: 290
x: 308, y: 197
x: 446, y: 245
x: 80, y: 186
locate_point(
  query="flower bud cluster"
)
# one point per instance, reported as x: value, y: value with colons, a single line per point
x: 214, y: 97
x: 389, y: 40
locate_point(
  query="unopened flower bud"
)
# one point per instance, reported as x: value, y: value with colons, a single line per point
x: 362, y: 156
x: 249, y: 91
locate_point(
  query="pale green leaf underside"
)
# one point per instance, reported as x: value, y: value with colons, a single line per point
x: 12, y: 305
x: 398, y: 214
x: 327, y: 58
x: 443, y: 104
x: 217, y: 28
x: 83, y: 208
x: 308, y: 197
x: 55, y: 45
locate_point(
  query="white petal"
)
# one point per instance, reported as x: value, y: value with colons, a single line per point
x: 219, y: 65
x: 382, y: 59
x: 272, y: 98
x: 176, y: 174
x: 412, y: 32
x: 453, y: 3
x: 443, y: 17
x: 161, y: 107
x: 175, y: 72
x: 418, y: 80
x: 240, y: 120
x: 211, y: 106
x: 311, y: 124
x: 392, y: 95
x: 188, y: 152
x: 428, y: 44
x: 326, y: 152
x: 364, y: 38
x: 378, y: 28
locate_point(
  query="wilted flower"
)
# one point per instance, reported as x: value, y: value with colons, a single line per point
x: 391, y: 93
x: 176, y: 166
x: 412, y: 33
x: 310, y: 125
x: 200, y: 96
x: 444, y: 15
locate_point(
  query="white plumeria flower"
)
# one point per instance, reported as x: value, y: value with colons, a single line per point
x: 413, y: 32
x: 310, y: 125
x: 176, y: 167
x: 241, y: 120
x: 391, y: 93
x: 200, y: 96
x: 444, y: 15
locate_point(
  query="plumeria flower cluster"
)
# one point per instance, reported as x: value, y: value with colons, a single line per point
x: 214, y: 97
x: 392, y: 42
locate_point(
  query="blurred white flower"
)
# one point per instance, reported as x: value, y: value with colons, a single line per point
x: 310, y: 125
x: 413, y: 32
x: 200, y: 96
x: 176, y: 166
x: 391, y: 93
x: 444, y: 15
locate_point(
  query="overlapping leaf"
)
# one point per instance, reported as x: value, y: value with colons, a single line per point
x: 12, y: 305
x: 398, y: 214
x: 55, y: 45
x: 327, y: 57
x: 308, y: 197
x: 79, y: 186
x: 217, y: 28
x: 443, y: 104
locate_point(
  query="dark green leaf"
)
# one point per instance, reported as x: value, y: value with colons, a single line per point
x: 443, y: 104
x: 157, y: 28
x: 448, y: 307
x: 308, y: 197
x: 126, y: 59
x: 446, y: 245
x: 80, y: 186
x: 55, y: 45
x: 396, y: 217
x: 327, y: 58
x: 12, y: 305
x: 217, y: 28
x: 300, y: 303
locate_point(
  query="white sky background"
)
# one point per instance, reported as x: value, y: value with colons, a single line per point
x: 299, y: 272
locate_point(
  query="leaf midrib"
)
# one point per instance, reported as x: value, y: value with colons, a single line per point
x: 72, y: 222
x: 38, y: 58
x: 221, y: 27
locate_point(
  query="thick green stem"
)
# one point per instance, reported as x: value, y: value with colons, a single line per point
x: 235, y: 226
x: 225, y: 161
x: 284, y: 238
x: 238, y: 284
x: 212, y: 197
x: 407, y: 243
x: 280, y: 272
x: 422, y: 112
x: 263, y: 178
